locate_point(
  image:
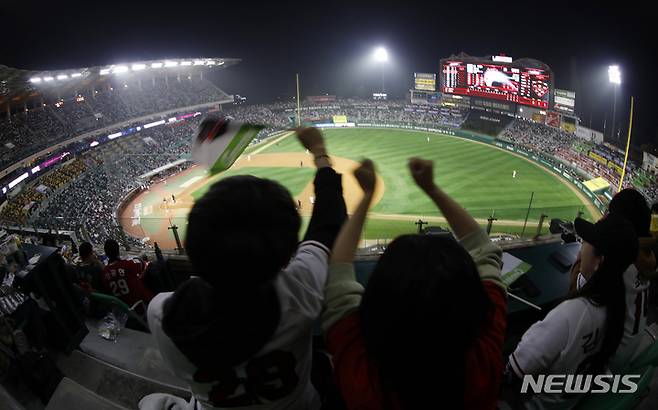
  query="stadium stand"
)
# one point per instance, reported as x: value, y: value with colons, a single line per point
x: 60, y: 119
x: 81, y: 194
x: 102, y: 186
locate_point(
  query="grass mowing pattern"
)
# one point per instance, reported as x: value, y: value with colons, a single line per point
x: 476, y: 175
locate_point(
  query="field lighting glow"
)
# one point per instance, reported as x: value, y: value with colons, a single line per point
x: 171, y: 63
x: 62, y: 77
x: 35, y: 80
x: 138, y: 67
x: 381, y: 55
x: 156, y: 65
x: 614, y: 75
x: 120, y: 69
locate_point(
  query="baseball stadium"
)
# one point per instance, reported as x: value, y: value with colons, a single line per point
x: 98, y: 170
x: 496, y: 183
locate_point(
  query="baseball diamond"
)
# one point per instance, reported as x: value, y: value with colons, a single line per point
x: 477, y: 174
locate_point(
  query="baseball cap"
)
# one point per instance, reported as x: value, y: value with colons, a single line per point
x: 630, y: 204
x: 613, y: 236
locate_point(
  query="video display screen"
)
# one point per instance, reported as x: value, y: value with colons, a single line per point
x: 527, y: 86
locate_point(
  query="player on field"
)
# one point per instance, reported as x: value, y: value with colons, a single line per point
x: 240, y: 333
x: 124, y: 278
x: 514, y: 174
x: 428, y: 330
x: 581, y: 334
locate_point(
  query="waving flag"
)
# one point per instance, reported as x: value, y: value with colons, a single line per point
x: 220, y: 141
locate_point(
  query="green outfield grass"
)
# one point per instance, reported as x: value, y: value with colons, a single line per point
x: 477, y: 175
x: 293, y: 179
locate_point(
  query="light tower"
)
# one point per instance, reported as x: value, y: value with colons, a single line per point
x: 381, y: 57
x: 614, y: 75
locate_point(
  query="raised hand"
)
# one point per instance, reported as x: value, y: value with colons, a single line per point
x: 365, y: 176
x: 311, y: 138
x: 422, y: 172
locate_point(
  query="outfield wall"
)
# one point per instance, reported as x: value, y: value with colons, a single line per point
x: 547, y: 162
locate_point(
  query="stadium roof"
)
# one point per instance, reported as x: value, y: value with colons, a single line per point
x: 17, y: 85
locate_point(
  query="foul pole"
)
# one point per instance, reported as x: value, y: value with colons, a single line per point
x: 628, y: 145
x: 299, y: 117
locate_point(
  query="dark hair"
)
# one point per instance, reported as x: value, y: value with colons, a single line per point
x: 111, y: 249
x: 654, y: 208
x: 423, y: 307
x: 606, y: 288
x: 85, y: 249
x: 242, y: 232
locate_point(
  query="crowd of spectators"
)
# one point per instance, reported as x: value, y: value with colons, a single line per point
x: 20, y: 207
x: 103, y: 176
x: 40, y: 127
x: 566, y: 147
x: 89, y: 205
x: 537, y: 137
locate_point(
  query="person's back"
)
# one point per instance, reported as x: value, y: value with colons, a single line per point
x: 90, y: 269
x: 240, y: 333
x: 428, y: 330
x: 562, y: 343
x: 122, y: 278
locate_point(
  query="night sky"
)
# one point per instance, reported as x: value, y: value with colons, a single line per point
x: 328, y: 43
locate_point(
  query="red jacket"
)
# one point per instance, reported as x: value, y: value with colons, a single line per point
x: 358, y: 379
x: 123, y: 279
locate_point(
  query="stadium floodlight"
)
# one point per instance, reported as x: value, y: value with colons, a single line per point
x: 62, y: 77
x: 220, y: 63
x: 199, y: 62
x: 35, y: 80
x: 138, y: 67
x: 120, y: 69
x: 104, y: 71
x: 211, y: 62
x: 76, y: 75
x: 171, y: 63
x: 380, y: 55
x: 614, y: 75
x: 48, y: 78
x: 156, y: 65
x: 185, y: 63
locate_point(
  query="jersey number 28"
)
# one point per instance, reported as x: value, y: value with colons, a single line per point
x: 269, y: 377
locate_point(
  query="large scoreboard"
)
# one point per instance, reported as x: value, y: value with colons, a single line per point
x: 520, y: 85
